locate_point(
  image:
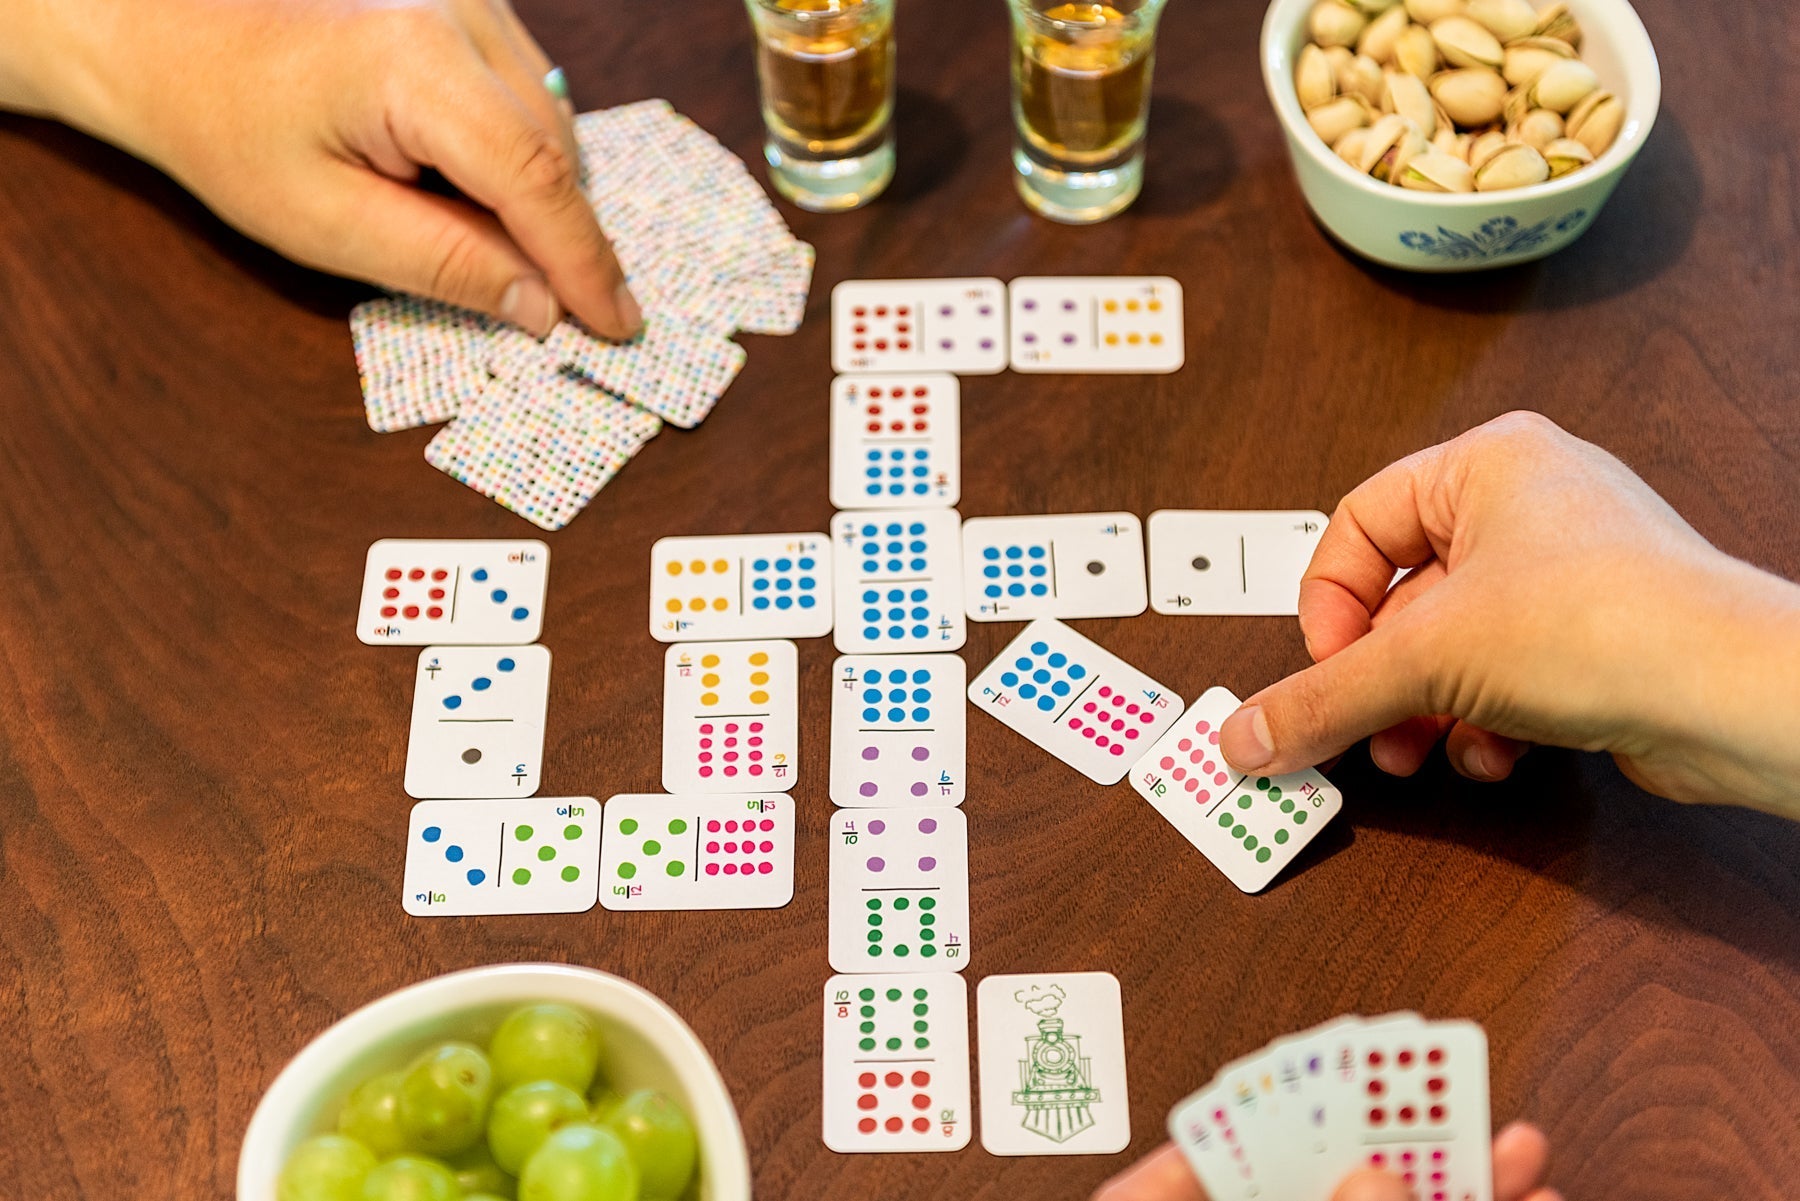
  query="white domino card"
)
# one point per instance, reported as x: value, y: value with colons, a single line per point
x: 740, y: 586
x: 730, y: 717
x: 1249, y: 826
x: 1052, y: 1058
x: 1231, y: 562
x: 899, y: 584
x: 896, y: 1054
x: 697, y: 852
x: 535, y: 855
x: 478, y: 721
x: 899, y: 730
x: 420, y: 591
x: 1129, y: 324
x: 1065, y: 565
x: 899, y: 890
x: 895, y: 441
x: 954, y: 325
x: 1086, y: 706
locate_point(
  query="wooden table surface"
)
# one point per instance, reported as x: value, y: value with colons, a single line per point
x: 201, y: 818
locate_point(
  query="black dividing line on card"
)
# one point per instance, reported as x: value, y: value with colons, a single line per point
x: 474, y: 721
x: 896, y: 729
x: 915, y: 888
x: 1243, y: 567
x: 695, y: 874
x: 455, y: 592
x: 741, y: 574
x: 1059, y: 713
x: 1052, y: 567
x: 1093, y: 323
x: 500, y: 866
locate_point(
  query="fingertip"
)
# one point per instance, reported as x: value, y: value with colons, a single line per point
x: 529, y: 304
x: 1244, y: 739
x: 1521, y: 1157
x: 1372, y: 1186
x: 1162, y: 1175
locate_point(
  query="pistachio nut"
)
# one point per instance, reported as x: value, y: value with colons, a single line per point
x: 1361, y: 76
x: 1350, y: 146
x: 1561, y: 87
x: 1516, y: 105
x: 1528, y: 58
x: 1415, y: 52
x: 1373, y: 8
x: 1339, y: 57
x: 1505, y: 19
x: 1407, y: 144
x: 1471, y: 95
x: 1314, y: 80
x: 1539, y: 128
x: 1515, y: 166
x: 1334, y: 23
x: 1485, y: 146
x: 1382, y: 35
x: 1556, y: 21
x: 1435, y: 171
x: 1427, y: 11
x: 1565, y: 155
x: 1407, y: 95
x: 1335, y: 118
x: 1464, y: 42
x: 1596, y: 121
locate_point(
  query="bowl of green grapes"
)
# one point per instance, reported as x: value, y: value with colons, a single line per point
x: 517, y: 1082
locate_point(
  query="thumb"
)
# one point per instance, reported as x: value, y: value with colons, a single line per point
x: 1373, y: 1186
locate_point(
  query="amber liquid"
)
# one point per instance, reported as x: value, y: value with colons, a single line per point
x: 1082, y: 102
x: 828, y: 85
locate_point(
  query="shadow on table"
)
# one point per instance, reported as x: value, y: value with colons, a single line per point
x: 931, y: 142
x: 1190, y: 160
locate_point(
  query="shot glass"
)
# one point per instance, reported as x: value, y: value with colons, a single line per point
x: 1081, y: 101
x: 825, y: 69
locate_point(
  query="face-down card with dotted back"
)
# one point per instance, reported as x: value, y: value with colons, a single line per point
x: 419, y: 591
x: 895, y: 441
x: 899, y: 890
x: 899, y: 581
x: 899, y: 731
x: 1129, y: 324
x: 896, y: 1063
x: 697, y: 852
x: 478, y: 721
x: 1249, y: 826
x: 1065, y: 565
x: 954, y: 325
x: 740, y: 586
x: 1086, y: 706
x: 730, y: 717
x: 537, y: 855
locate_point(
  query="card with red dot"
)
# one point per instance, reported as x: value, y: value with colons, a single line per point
x: 421, y: 591
x: 1206, y: 1128
x: 730, y: 717
x: 896, y: 1054
x: 1249, y: 826
x: 899, y: 733
x: 697, y: 852
x: 954, y: 325
x: 895, y: 441
x: 1064, y: 565
x: 740, y: 586
x: 1086, y: 706
x: 899, y: 882
x: 1096, y: 324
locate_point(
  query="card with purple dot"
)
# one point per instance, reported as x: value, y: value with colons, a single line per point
x: 899, y: 734
x: 954, y: 325
x: 1085, y: 324
x: 899, y: 890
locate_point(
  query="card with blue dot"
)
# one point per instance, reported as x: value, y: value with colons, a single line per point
x: 478, y: 721
x: 896, y: 441
x: 534, y: 855
x: 446, y: 592
x: 1083, y: 704
x: 1065, y: 565
x: 899, y: 734
x: 1099, y: 324
x: 899, y: 581
x: 740, y: 586
x: 954, y: 325
x: 1249, y: 826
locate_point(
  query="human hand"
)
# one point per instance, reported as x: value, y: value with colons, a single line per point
x: 306, y: 124
x: 1521, y: 1154
x: 1552, y: 597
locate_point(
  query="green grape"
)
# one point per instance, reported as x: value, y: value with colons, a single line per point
x: 601, y: 1103
x: 444, y: 1099
x: 546, y: 1042
x: 660, y: 1139
x: 483, y: 1197
x: 477, y: 1173
x: 525, y: 1115
x: 411, y: 1178
x: 330, y: 1167
x: 371, y: 1115
x: 580, y: 1163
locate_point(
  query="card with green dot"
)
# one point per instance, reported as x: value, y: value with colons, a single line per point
x: 896, y: 1063
x: 697, y: 852
x: 899, y: 883
x: 1249, y: 826
x: 536, y: 855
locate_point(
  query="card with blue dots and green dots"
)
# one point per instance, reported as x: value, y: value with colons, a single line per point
x: 1064, y: 565
x: 899, y: 581
x: 537, y: 855
x: 740, y: 586
x: 425, y: 591
x: 895, y: 441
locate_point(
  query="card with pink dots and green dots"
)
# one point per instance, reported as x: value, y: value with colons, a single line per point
x: 697, y: 852
x: 537, y: 855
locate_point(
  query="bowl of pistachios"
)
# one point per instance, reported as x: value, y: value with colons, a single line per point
x: 1459, y: 135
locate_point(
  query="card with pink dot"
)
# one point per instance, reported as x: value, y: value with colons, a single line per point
x: 897, y: 1063
x: 899, y: 881
x: 899, y: 735
x: 730, y: 719
x: 954, y: 325
x: 697, y: 852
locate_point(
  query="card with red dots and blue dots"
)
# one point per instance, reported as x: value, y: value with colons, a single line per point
x: 730, y: 717
x: 478, y: 721
x: 896, y: 1057
x: 895, y: 441
x: 424, y: 591
x: 899, y: 890
x: 898, y: 730
x: 740, y: 586
x: 954, y: 325
x: 1086, y: 706
x: 536, y: 855
x: 697, y: 852
x: 1064, y: 565
x: 1096, y: 324
x: 899, y: 581
x: 1249, y: 826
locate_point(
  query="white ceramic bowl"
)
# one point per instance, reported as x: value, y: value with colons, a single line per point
x: 647, y: 1046
x: 1468, y: 231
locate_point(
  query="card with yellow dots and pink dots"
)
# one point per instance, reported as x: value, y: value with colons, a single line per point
x: 731, y: 717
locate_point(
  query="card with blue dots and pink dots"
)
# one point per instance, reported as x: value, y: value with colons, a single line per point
x: 899, y: 581
x: 740, y: 586
x: 895, y: 441
x: 424, y: 591
x: 1065, y: 565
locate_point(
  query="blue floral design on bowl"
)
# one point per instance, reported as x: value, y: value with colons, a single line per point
x: 1498, y: 237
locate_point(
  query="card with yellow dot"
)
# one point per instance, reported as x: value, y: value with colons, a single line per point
x: 697, y: 852
x: 1079, y: 324
x: 740, y: 586
x: 730, y: 717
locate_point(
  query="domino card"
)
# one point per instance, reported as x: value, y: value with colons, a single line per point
x: 1052, y: 1050
x: 899, y: 890
x: 740, y: 586
x: 730, y: 717
x: 1066, y: 565
x: 1250, y: 827
x: 697, y: 852
x: 899, y: 581
x: 1245, y: 563
x: 897, y: 1062
x: 899, y: 735
x: 478, y: 721
x: 1089, y: 708
x: 419, y: 591
x: 954, y: 325
x: 895, y: 441
x: 534, y: 855
x: 1096, y: 324
x: 1207, y: 1131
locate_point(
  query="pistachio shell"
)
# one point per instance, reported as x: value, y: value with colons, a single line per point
x: 1528, y: 58
x: 1415, y: 52
x: 1407, y: 95
x: 1515, y: 166
x: 1361, y: 77
x: 1373, y: 8
x: 1335, y: 118
x: 1339, y: 57
x: 1539, y: 128
x: 1562, y: 86
x: 1565, y: 155
x: 1465, y: 43
x: 1314, y: 81
x: 1350, y: 146
x: 1391, y: 137
x: 1382, y: 34
x: 1448, y: 141
x: 1515, y: 106
x: 1505, y: 19
x: 1334, y: 23
x: 1427, y: 11
x: 1435, y: 171
x: 1485, y: 146
x: 1596, y: 121
x: 1471, y: 95
x: 1556, y: 21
